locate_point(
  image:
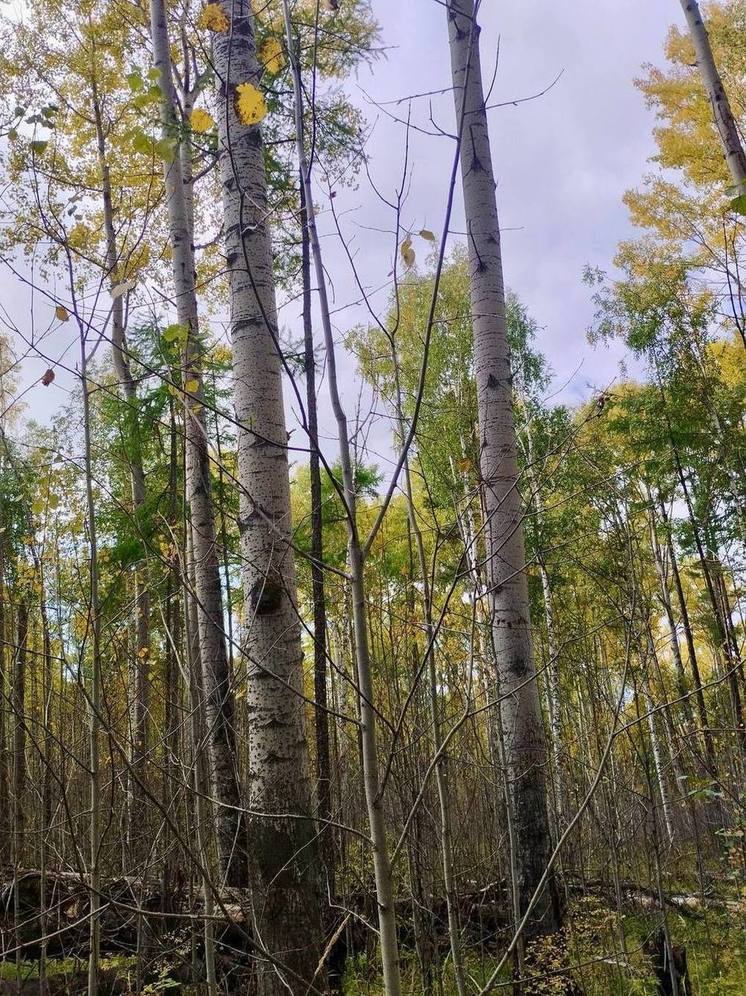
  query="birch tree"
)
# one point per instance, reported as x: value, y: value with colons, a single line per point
x: 525, y: 743
x: 216, y: 680
x: 283, y: 858
x: 725, y: 123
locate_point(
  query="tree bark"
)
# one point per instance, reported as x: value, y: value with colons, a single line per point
x: 525, y: 742
x: 219, y: 705
x: 721, y: 111
x: 284, y: 853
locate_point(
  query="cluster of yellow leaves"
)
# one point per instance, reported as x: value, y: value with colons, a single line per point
x: 407, y: 250
x: 272, y: 55
x: 201, y: 120
x: 250, y: 105
x: 221, y: 354
x: 212, y: 18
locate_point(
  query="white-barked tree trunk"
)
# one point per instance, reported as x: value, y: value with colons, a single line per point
x: 284, y: 856
x: 523, y: 729
x: 218, y: 694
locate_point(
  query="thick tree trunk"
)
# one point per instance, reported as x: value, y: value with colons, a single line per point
x: 219, y: 706
x: 525, y: 743
x: 284, y: 852
x: 724, y: 120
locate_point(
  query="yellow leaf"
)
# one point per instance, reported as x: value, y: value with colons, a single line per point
x: 407, y: 252
x: 250, y: 105
x: 426, y: 234
x: 61, y: 313
x: 200, y: 120
x: 212, y: 18
x: 192, y: 385
x: 272, y: 55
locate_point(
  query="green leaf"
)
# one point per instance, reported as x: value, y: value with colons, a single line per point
x: 175, y: 333
x: 39, y: 146
x: 141, y: 143
x: 134, y: 81
x: 738, y: 204
x: 165, y: 149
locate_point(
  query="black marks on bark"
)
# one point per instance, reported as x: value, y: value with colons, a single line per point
x: 267, y: 593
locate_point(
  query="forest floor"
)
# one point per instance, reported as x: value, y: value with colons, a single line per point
x: 606, y: 952
x: 607, y: 955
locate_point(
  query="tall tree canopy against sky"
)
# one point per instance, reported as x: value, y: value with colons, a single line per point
x: 372, y: 488
x: 592, y: 120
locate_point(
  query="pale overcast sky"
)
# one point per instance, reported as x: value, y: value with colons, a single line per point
x: 562, y: 161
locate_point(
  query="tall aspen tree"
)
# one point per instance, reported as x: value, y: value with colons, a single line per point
x: 525, y: 740
x: 218, y: 695
x: 284, y: 849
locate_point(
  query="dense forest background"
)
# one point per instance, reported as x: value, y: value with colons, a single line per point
x: 282, y: 714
